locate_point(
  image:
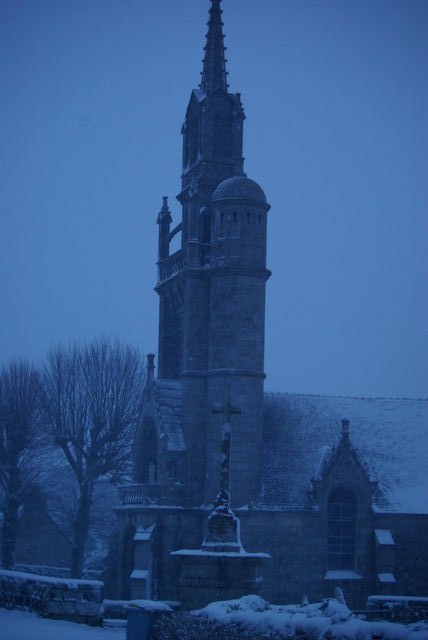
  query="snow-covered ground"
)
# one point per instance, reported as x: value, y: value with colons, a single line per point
x: 19, y: 625
x: 329, y: 620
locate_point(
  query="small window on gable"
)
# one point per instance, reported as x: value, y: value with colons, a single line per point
x: 342, y: 508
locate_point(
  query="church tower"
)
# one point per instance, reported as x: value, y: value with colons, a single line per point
x: 212, y: 290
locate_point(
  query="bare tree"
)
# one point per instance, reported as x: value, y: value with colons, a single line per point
x: 92, y: 400
x: 19, y: 422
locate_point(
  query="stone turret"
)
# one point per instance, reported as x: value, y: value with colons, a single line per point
x: 236, y: 332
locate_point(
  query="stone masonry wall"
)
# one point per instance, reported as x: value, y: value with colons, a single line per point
x: 410, y: 534
x: 297, y: 542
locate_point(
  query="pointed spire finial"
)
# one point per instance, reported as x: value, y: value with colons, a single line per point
x: 164, y: 213
x: 214, y: 75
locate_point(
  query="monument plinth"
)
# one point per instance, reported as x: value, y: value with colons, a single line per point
x: 221, y: 569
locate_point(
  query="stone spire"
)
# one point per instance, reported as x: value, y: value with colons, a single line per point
x: 214, y: 75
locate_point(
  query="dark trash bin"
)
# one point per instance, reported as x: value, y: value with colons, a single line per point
x: 142, y: 616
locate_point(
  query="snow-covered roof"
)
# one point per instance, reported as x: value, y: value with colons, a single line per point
x: 389, y: 435
x: 384, y: 537
x: 169, y: 395
x: 386, y: 578
x: 140, y: 574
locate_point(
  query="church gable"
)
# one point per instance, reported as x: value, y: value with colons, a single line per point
x: 341, y: 465
x: 196, y: 98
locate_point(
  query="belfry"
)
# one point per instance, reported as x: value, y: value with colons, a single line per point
x: 212, y: 290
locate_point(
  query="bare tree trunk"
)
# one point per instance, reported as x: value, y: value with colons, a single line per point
x: 10, y: 525
x: 19, y: 423
x: 80, y: 529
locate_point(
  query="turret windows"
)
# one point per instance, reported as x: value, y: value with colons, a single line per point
x: 342, y: 507
x: 235, y: 225
x: 221, y: 225
x: 226, y: 224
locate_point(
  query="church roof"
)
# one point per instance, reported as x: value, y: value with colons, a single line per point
x: 390, y: 437
x: 170, y: 399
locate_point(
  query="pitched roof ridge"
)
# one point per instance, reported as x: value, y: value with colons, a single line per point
x: 350, y: 397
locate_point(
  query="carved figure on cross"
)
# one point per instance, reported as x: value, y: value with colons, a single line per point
x: 228, y: 409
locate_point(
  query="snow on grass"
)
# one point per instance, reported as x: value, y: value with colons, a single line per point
x: 328, y: 619
x: 19, y: 625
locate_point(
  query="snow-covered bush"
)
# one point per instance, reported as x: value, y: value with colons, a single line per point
x: 184, y: 626
x: 329, y: 619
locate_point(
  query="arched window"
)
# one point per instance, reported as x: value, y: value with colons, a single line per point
x: 342, y: 507
x: 145, y: 457
x: 128, y: 547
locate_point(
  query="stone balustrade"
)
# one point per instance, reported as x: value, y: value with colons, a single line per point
x: 172, y: 265
x: 144, y: 494
x: 150, y: 494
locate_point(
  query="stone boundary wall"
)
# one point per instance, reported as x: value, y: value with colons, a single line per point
x: 66, y: 599
x: 115, y: 609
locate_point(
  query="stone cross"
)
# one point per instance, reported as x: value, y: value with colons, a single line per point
x: 225, y: 465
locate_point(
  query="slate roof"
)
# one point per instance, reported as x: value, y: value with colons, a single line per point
x: 389, y: 435
x: 169, y: 395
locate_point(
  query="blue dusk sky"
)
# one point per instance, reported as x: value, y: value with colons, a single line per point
x: 93, y: 95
